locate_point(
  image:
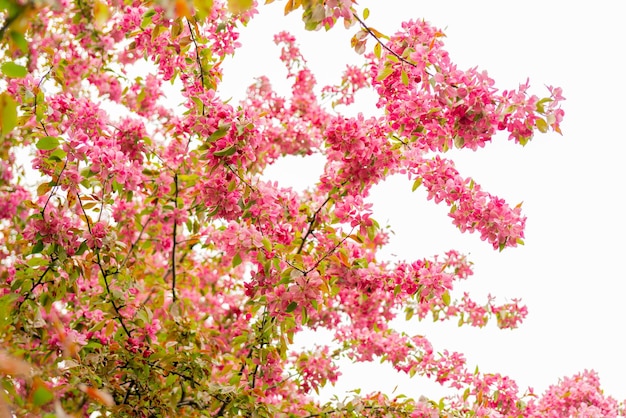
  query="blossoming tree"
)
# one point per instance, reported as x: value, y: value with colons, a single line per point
x: 147, y: 270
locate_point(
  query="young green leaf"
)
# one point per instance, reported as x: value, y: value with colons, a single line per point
x: 47, y: 143
x: 225, y: 152
x: 8, y: 112
x: 13, y: 70
x: 220, y: 132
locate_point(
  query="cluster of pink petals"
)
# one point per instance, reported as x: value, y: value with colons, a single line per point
x: 170, y: 251
x: 472, y: 208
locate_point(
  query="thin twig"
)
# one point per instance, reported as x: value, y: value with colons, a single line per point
x: 134, y: 244
x: 312, y: 224
x: 102, y: 200
x: 193, y: 38
x: 174, y: 238
x: 105, y: 275
x: 329, y: 252
x: 53, y: 191
x: 392, y: 52
x: 35, y: 100
x: 38, y: 283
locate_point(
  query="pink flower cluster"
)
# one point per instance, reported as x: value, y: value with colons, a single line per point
x: 175, y: 267
x: 437, y: 106
x: 576, y: 396
x: 472, y: 208
x: 359, y: 154
x: 316, y: 368
x: 353, y: 80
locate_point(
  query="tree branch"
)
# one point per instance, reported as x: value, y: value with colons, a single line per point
x: 105, y: 275
x: 329, y: 252
x: 372, y: 34
x: 193, y: 39
x: 174, y: 238
x: 312, y: 224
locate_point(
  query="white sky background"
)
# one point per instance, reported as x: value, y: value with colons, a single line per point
x: 570, y: 272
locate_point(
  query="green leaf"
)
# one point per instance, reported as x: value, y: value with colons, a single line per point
x: 366, y: 13
x: 37, y: 248
x: 417, y: 183
x: 540, y: 103
x: 409, y: 313
x: 8, y: 111
x: 20, y: 41
x: 42, y: 396
x: 267, y: 244
x: 203, y: 8
x: 234, y: 380
x: 236, y: 260
x: 37, y: 261
x: 82, y: 248
x: 405, y: 77
x: 446, y: 298
x: 397, y: 290
x: 239, y: 6
x: 378, y: 50
x: 291, y: 307
x: 225, y: 152
x: 48, y: 143
x: 13, y: 70
x: 170, y: 379
x: 542, y: 125
x: 221, y: 132
x: 147, y: 18
x: 41, y: 107
x: 386, y: 72
x: 58, y: 155
x: 239, y: 340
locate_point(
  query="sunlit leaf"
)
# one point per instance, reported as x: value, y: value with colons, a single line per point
x: 239, y: 6
x: 541, y: 125
x: 236, y: 260
x: 47, y: 143
x: 13, y: 70
x: 42, y: 396
x: 100, y: 14
x: 220, y: 132
x: 405, y: 78
x: 445, y: 298
x: 8, y: 112
x: 225, y: 152
x: 386, y: 72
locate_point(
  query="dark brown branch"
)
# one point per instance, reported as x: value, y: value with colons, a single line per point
x: 35, y: 100
x: 312, y: 220
x: 392, y: 52
x: 9, y: 20
x: 102, y: 201
x: 53, y: 191
x: 329, y: 252
x: 174, y: 238
x: 134, y: 244
x: 198, y: 60
x: 105, y: 275
x: 38, y: 283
